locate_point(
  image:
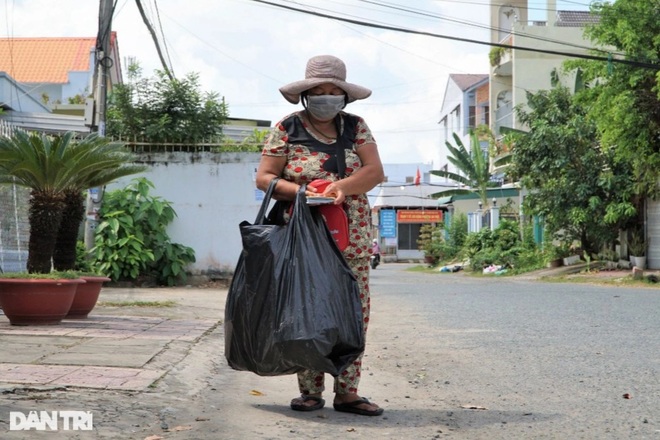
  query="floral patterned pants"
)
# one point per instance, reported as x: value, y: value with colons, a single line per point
x: 312, y: 382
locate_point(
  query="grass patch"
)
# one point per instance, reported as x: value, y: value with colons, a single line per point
x: 168, y: 303
x: 622, y: 281
x: 422, y: 268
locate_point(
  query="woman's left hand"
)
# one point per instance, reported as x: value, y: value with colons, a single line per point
x: 333, y: 190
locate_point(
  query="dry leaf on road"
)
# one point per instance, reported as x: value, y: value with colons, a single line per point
x: 473, y: 407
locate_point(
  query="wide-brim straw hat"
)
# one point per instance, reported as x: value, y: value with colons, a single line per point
x: 324, y: 69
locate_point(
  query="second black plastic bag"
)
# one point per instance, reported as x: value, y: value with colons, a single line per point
x: 294, y: 303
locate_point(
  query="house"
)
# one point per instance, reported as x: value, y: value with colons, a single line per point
x: 56, y: 73
x: 514, y: 72
x: 465, y: 106
x: 400, y: 206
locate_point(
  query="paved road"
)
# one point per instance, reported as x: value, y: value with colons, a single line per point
x: 448, y: 356
x: 548, y: 360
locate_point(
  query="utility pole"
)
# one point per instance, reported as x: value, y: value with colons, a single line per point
x: 166, y: 69
x: 101, y: 68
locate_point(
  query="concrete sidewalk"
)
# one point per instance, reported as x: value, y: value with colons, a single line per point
x: 130, y: 340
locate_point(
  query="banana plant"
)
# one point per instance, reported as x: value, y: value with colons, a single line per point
x: 474, y: 173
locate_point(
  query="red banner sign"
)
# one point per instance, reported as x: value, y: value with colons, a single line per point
x: 419, y: 216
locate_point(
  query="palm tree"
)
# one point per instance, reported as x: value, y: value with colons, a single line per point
x: 473, y: 165
x: 100, y: 162
x: 53, y: 166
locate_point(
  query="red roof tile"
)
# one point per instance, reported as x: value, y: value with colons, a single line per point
x: 45, y: 60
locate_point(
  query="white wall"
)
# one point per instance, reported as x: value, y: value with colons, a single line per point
x: 532, y: 70
x: 456, y: 123
x: 211, y: 194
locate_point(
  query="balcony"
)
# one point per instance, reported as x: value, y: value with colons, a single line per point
x: 500, y: 58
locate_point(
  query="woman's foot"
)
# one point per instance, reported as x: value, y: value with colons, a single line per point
x: 352, y: 403
x: 307, y: 402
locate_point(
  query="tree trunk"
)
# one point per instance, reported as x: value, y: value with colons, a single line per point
x: 45, y: 216
x: 64, y: 255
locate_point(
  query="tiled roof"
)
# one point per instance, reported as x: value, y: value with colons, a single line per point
x: 45, y: 60
x: 575, y: 18
x: 467, y: 80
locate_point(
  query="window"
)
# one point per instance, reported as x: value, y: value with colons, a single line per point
x: 472, y: 117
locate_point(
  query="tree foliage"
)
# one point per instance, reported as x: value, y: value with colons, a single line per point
x: 571, y: 180
x: 158, y: 109
x: 473, y: 165
x: 624, y: 100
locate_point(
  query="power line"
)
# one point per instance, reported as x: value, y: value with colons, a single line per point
x: 473, y: 24
x: 528, y: 8
x: 469, y: 40
x: 162, y: 34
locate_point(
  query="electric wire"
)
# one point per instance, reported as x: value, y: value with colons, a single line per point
x: 469, y: 40
x: 480, y: 26
x: 10, y: 45
x: 162, y: 33
x: 528, y: 8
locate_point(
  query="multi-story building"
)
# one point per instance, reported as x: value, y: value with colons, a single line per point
x: 465, y: 106
x: 514, y: 72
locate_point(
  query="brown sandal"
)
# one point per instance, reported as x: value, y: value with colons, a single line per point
x: 320, y: 403
x: 352, y: 407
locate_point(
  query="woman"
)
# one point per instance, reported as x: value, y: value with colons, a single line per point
x: 323, y: 142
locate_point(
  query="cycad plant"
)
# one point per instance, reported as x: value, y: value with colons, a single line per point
x: 52, y: 166
x: 99, y: 163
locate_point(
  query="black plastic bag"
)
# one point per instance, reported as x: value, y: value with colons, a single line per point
x: 294, y: 303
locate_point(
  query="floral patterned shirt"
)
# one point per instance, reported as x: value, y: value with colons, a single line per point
x: 310, y: 157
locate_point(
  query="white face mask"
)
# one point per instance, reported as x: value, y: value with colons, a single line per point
x: 325, y: 107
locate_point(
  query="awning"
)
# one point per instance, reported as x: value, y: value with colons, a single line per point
x: 445, y: 200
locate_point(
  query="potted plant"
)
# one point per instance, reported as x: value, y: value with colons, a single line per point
x: 49, y: 166
x: 637, y: 249
x: 37, y: 298
x: 553, y: 256
x: 99, y: 162
x: 86, y: 295
x: 430, y: 242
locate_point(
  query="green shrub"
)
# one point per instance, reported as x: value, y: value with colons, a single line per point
x: 504, y: 247
x: 456, y: 233
x: 131, y: 240
x: 83, y: 258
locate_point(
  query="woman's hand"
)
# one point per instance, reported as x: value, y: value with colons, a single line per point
x: 333, y: 190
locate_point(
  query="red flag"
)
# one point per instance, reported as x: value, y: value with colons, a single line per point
x: 418, y: 177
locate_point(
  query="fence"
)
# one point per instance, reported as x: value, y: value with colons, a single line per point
x: 478, y: 220
x: 14, y: 226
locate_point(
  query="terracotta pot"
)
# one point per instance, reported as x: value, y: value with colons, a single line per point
x: 87, y: 294
x: 37, y: 301
x: 430, y: 259
x: 556, y: 263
